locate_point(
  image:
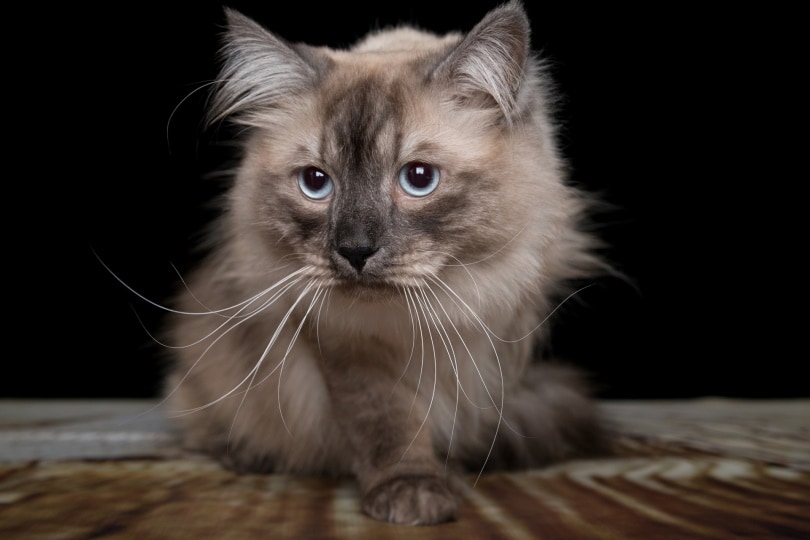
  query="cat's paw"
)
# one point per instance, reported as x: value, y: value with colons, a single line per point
x: 411, y: 500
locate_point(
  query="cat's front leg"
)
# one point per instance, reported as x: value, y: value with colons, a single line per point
x: 411, y: 500
x: 400, y: 477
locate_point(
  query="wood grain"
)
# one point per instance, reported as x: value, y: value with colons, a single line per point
x: 699, y: 469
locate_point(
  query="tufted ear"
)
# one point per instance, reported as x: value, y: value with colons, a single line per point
x: 488, y: 66
x: 259, y: 69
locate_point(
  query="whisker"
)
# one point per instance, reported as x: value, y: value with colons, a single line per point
x: 243, y: 319
x: 324, y: 300
x: 177, y: 107
x: 238, y: 315
x: 464, y: 266
x: 201, y: 303
x: 404, y: 293
x: 413, y: 328
x: 488, y: 256
x: 293, y: 339
x: 499, y: 406
x: 170, y: 310
x: 418, y: 323
x: 487, y: 333
x: 255, y: 312
x: 547, y: 317
x: 435, y: 379
x: 461, y: 303
x: 453, y: 362
x: 250, y: 377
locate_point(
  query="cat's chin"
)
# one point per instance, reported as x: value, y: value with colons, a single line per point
x: 369, y: 290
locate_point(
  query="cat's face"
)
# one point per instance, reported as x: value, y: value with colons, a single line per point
x: 395, y: 162
x: 362, y: 182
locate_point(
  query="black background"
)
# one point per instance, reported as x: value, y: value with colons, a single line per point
x: 681, y: 118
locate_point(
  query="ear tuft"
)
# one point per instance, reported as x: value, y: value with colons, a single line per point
x: 258, y: 70
x: 488, y: 65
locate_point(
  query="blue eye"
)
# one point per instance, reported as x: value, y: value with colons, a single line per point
x: 418, y: 179
x: 315, y: 183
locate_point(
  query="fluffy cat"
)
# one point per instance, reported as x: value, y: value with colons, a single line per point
x: 396, y: 235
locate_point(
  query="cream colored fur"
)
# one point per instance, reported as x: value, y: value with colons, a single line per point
x: 399, y: 376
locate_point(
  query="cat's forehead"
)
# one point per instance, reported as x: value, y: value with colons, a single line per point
x: 369, y: 118
x: 402, y: 42
x: 376, y: 106
x: 389, y: 54
x: 362, y: 119
x: 380, y: 83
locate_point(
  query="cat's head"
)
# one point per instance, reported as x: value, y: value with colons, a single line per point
x: 401, y: 159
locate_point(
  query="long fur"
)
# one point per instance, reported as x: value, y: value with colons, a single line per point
x: 376, y: 333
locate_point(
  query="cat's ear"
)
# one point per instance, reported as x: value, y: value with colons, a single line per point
x: 259, y: 69
x: 488, y: 65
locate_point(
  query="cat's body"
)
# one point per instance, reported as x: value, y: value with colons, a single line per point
x: 397, y: 233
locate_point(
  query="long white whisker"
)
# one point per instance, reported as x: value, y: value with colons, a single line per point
x: 464, y: 266
x: 170, y: 310
x: 440, y: 329
x: 324, y: 300
x: 403, y: 292
x: 461, y: 303
x: 245, y: 318
x: 483, y: 382
x: 413, y: 327
x: 547, y: 317
x: 191, y: 293
x: 202, y: 304
x: 251, y: 376
x: 490, y: 255
x: 435, y: 374
x: 451, y: 354
x: 293, y: 339
x: 418, y: 323
x: 499, y: 406
x: 179, y: 104
x: 469, y: 353
x: 239, y: 315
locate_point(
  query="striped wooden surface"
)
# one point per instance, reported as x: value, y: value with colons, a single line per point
x: 691, y: 469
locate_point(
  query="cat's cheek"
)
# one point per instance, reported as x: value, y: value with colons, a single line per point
x: 292, y: 217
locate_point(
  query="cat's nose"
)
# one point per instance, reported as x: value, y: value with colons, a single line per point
x: 357, y: 255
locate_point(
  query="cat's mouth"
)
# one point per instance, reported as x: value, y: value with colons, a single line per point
x: 366, y: 281
x: 371, y: 290
x: 380, y: 281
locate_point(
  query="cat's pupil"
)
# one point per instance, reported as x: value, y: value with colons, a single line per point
x: 420, y: 175
x: 315, y: 179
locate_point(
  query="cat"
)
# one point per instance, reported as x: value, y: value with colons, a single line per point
x: 375, y: 295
